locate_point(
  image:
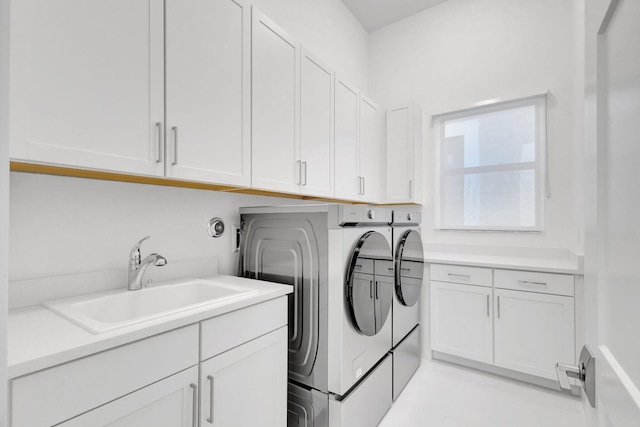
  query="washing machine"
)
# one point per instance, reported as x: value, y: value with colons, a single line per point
x: 338, y: 258
x: 406, y: 310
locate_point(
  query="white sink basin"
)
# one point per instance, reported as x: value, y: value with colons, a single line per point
x: 106, y: 311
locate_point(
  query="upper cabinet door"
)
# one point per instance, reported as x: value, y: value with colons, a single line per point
x: 87, y: 83
x: 208, y: 91
x: 275, y: 107
x: 404, y: 154
x: 347, y: 181
x: 316, y: 127
x: 371, y: 151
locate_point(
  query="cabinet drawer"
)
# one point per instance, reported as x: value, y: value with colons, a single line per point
x: 56, y: 394
x: 367, y: 403
x: 232, y: 329
x: 545, y: 283
x: 462, y: 274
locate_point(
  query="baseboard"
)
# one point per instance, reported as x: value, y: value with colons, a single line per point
x: 507, y: 373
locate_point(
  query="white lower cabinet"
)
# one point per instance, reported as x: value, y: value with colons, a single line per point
x: 253, y: 375
x: 533, y: 331
x: 168, y: 379
x: 517, y: 320
x: 461, y: 321
x: 171, y: 402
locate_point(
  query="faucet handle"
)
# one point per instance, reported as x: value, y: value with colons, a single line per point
x: 135, y: 252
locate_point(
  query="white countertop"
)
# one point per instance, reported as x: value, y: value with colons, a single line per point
x: 38, y: 338
x: 529, y: 259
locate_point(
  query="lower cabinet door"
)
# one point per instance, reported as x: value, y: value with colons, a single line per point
x: 171, y: 402
x: 461, y: 322
x: 247, y: 385
x: 533, y: 331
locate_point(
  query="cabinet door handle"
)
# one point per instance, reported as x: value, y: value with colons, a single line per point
x: 370, y: 288
x: 487, y: 305
x: 304, y: 164
x: 194, y: 419
x: 175, y: 145
x: 526, y: 282
x: 377, y: 295
x: 498, y: 306
x: 410, y: 188
x: 210, y: 419
x: 160, y: 150
x: 465, y: 276
x: 363, y: 187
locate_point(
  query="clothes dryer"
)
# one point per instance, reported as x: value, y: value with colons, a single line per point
x: 339, y: 260
x: 409, y: 271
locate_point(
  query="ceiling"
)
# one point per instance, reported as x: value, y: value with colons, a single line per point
x: 374, y: 14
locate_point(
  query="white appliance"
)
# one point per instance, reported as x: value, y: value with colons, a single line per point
x: 339, y: 260
x: 409, y: 271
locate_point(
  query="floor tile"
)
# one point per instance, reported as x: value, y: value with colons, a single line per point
x: 446, y: 395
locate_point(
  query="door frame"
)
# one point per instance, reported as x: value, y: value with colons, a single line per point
x: 4, y: 201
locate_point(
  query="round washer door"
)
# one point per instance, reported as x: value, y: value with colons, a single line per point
x: 409, y: 268
x: 369, y: 283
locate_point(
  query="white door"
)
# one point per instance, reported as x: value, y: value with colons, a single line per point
x: 87, y: 84
x: 612, y: 273
x: 247, y: 385
x: 316, y: 126
x: 171, y: 402
x: 208, y: 91
x: 372, y: 150
x: 461, y: 321
x: 533, y: 331
x: 275, y: 107
x: 347, y: 181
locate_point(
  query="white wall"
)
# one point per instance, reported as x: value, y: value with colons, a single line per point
x: 329, y: 30
x: 461, y: 52
x: 62, y: 225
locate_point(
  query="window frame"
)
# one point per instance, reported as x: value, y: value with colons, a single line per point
x: 539, y: 165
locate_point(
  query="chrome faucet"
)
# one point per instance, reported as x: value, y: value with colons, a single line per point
x: 138, y: 267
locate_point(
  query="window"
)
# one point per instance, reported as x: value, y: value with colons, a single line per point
x: 491, y: 167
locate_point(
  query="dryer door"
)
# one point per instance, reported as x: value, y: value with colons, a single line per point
x: 369, y: 295
x: 409, y: 268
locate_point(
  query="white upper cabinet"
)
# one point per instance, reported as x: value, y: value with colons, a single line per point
x: 348, y: 184
x: 404, y: 154
x: 371, y: 152
x: 208, y: 91
x: 316, y: 127
x: 359, y: 161
x: 87, y: 84
x: 275, y: 107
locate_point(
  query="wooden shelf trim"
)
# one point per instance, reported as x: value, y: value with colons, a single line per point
x: 17, y: 166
